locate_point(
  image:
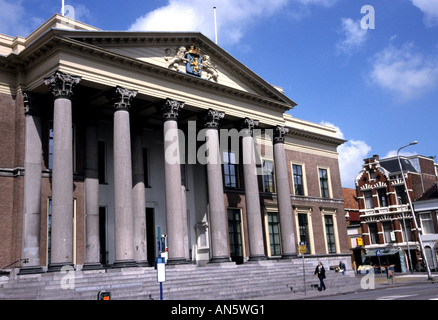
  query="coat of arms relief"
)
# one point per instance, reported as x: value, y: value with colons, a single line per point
x: 195, y: 63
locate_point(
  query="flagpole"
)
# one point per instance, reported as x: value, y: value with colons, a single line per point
x: 62, y: 8
x: 215, y: 24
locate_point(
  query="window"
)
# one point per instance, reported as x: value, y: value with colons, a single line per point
x: 268, y: 176
x: 231, y: 177
x: 330, y: 233
x: 374, y: 236
x: 383, y: 200
x: 401, y: 195
x: 426, y: 223
x: 387, y: 231
x: 146, y: 161
x: 235, y: 234
x: 274, y: 233
x: 323, y: 183
x: 407, y: 232
x: 369, y: 203
x: 304, y: 230
x: 101, y: 159
x: 298, y: 179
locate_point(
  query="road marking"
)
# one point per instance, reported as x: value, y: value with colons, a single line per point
x: 397, y: 297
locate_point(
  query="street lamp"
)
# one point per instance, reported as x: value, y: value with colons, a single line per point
x: 429, y: 275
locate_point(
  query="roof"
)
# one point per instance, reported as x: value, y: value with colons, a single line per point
x: 431, y: 193
x: 392, y: 165
x: 350, y: 198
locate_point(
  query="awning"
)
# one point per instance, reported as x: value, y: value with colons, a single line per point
x: 383, y: 252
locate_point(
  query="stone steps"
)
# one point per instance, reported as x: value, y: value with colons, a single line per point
x: 188, y: 282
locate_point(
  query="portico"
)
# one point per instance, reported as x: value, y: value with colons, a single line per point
x: 111, y: 117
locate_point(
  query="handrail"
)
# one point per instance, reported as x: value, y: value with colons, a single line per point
x: 25, y: 260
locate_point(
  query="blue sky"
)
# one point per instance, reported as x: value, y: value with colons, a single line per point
x: 378, y: 86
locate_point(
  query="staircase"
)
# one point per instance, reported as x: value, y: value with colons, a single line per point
x: 227, y: 281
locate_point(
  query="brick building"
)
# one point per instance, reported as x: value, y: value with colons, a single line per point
x: 385, y: 215
x: 111, y: 140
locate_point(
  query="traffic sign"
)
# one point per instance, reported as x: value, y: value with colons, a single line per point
x: 378, y: 253
x: 303, y: 247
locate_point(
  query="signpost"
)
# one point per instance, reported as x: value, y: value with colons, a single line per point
x: 161, y: 274
x: 161, y: 264
x: 303, y: 251
x: 378, y: 254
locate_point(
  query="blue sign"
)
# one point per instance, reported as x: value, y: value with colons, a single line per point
x: 378, y: 253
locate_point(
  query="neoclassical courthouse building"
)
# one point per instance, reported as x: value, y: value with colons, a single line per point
x: 112, y: 140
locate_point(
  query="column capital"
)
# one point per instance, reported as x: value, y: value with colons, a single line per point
x: 248, y: 125
x: 61, y: 84
x: 29, y: 104
x: 171, y: 109
x: 122, y: 98
x: 279, y: 133
x: 212, y: 118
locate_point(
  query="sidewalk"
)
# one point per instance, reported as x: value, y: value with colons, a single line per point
x: 381, y: 281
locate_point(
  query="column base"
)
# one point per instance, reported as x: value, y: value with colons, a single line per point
x: 289, y: 256
x: 92, y: 266
x: 57, y: 267
x: 257, y: 258
x: 143, y: 264
x: 220, y: 259
x: 30, y: 270
x: 176, y: 261
x: 124, y: 264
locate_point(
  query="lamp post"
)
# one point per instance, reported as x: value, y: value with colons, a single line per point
x: 429, y: 275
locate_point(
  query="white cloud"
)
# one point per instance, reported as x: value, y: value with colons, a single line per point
x: 353, y: 36
x: 430, y: 10
x: 393, y: 153
x: 404, y: 71
x: 15, y: 19
x: 233, y: 16
x: 351, y: 155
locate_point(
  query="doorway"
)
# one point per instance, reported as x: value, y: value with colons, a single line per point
x: 103, y: 252
x: 235, y: 235
x: 150, y: 236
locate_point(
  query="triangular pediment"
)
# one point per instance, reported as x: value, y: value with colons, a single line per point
x: 169, y: 51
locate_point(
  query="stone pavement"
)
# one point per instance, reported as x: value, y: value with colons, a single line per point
x: 381, y: 281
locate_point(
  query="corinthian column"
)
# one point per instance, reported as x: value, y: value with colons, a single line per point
x: 61, y: 86
x: 252, y: 199
x: 92, y: 244
x: 218, y: 215
x: 32, y: 189
x: 172, y: 173
x: 283, y: 194
x: 124, y: 219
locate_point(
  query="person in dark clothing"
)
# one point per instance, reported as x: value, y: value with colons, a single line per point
x: 320, y: 272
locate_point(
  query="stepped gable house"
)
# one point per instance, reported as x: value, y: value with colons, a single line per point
x: 111, y: 140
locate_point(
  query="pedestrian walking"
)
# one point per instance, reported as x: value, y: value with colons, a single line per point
x: 320, y: 272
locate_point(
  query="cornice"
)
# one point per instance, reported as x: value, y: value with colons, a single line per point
x: 54, y: 41
x: 312, y: 136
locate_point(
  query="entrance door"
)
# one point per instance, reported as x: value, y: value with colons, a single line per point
x: 150, y: 236
x: 235, y: 235
x: 102, y: 236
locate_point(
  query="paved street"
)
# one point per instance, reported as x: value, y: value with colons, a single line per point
x: 403, y: 287
x: 408, y: 291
